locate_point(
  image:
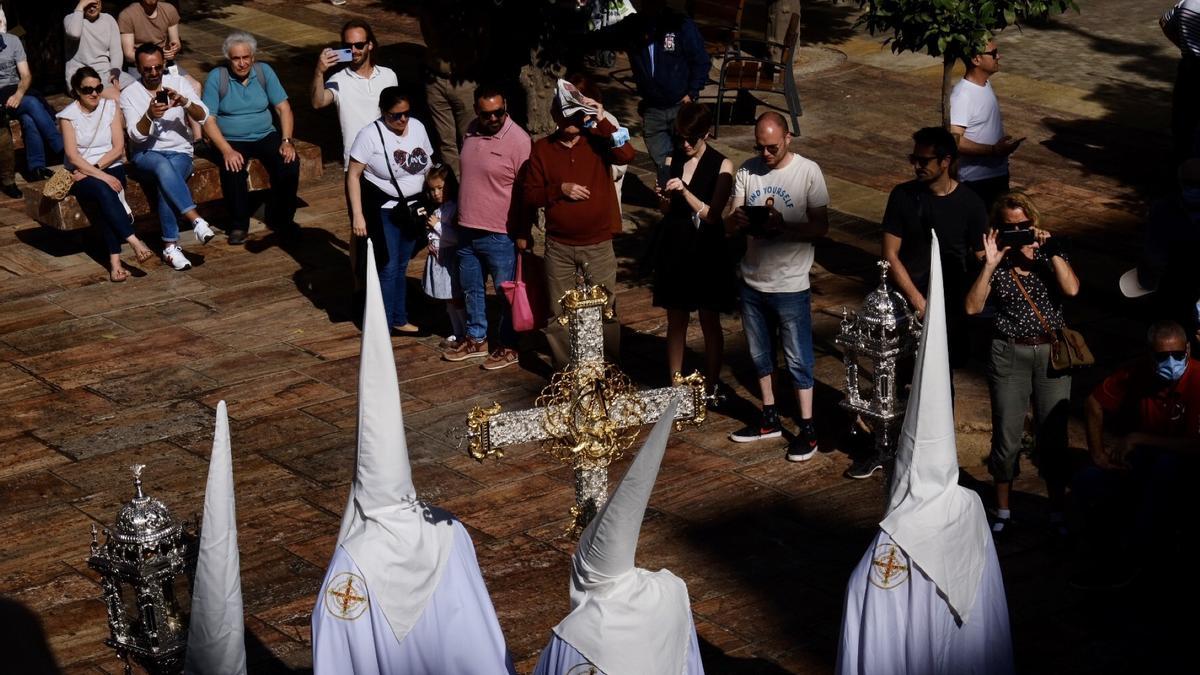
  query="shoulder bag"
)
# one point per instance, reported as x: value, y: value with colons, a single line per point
x: 1068, y: 349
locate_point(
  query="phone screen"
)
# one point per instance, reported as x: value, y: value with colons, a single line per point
x: 162, y: 97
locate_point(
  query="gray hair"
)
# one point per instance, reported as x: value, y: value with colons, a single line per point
x: 240, y: 38
x: 1164, y: 330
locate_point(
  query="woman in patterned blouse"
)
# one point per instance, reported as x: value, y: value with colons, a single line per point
x: 1025, y: 286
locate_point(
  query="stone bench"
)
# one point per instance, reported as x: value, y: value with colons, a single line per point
x: 205, y: 184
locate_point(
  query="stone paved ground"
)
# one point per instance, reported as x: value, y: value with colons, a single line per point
x: 95, y: 376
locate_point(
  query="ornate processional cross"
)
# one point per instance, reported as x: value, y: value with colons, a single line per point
x: 589, y: 413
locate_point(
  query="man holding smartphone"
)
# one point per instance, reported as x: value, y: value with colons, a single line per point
x: 978, y: 128
x: 781, y: 203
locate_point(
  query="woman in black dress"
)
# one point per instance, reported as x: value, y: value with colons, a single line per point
x: 693, y: 270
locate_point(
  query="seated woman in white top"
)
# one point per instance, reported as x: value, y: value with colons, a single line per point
x: 93, y: 132
x: 388, y: 162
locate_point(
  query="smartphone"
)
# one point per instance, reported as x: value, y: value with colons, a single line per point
x: 758, y: 215
x: 344, y: 55
x: 1015, y: 238
x: 162, y: 97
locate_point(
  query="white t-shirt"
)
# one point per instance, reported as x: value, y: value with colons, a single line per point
x: 774, y: 265
x: 410, y: 156
x: 169, y: 133
x: 976, y: 109
x: 357, y: 100
x: 93, y: 131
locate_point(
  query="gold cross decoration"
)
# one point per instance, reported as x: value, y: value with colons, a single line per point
x: 590, y: 412
x: 346, y: 603
x: 887, y: 566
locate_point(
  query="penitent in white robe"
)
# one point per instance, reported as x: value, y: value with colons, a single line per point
x: 559, y: 657
x: 896, y: 623
x: 456, y: 633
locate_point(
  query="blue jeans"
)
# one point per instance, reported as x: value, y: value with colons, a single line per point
x: 658, y: 128
x: 163, y: 176
x: 790, y: 314
x: 114, y: 223
x: 393, y: 278
x: 481, y: 253
x: 40, y: 132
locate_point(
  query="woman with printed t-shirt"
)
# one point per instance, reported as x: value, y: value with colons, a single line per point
x: 1025, y: 283
x: 93, y: 131
x: 388, y: 162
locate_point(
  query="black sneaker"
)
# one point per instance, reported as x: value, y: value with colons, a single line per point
x: 865, y: 467
x: 11, y: 190
x: 804, y: 445
x: 767, y: 427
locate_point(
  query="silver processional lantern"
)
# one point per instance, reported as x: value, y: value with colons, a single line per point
x: 873, y: 340
x: 146, y: 565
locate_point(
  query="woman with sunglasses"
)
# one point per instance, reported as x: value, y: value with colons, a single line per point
x: 1025, y: 275
x: 693, y: 271
x: 388, y: 163
x: 93, y: 132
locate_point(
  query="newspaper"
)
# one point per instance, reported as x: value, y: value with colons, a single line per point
x: 570, y: 101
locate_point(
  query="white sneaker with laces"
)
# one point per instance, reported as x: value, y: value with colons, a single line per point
x: 174, y: 256
x: 204, y: 233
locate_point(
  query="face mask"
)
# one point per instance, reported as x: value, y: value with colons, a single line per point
x: 1170, y: 368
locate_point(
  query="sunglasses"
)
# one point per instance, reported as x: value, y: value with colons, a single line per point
x: 1177, y: 355
x: 771, y: 149
x: 992, y: 53
x: 922, y: 160
x: 1022, y: 225
x: 397, y: 116
x: 88, y: 91
x: 493, y: 114
x: 355, y: 45
x: 694, y: 140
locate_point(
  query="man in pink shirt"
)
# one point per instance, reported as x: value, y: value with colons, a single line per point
x: 492, y: 223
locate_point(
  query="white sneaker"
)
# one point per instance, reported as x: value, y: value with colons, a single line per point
x: 174, y: 255
x: 204, y: 233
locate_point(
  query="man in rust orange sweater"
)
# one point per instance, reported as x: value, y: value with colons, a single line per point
x: 570, y: 177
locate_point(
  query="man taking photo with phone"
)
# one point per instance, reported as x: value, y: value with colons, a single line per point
x: 978, y: 127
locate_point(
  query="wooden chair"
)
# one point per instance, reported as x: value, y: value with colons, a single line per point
x: 748, y: 73
x: 719, y: 22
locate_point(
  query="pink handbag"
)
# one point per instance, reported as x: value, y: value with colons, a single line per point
x: 527, y: 300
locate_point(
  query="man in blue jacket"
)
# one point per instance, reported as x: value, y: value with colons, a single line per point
x: 670, y: 67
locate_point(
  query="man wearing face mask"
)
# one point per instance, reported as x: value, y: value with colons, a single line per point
x: 1135, y: 490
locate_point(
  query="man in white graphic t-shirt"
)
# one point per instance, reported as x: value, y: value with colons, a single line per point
x: 975, y: 122
x: 780, y: 202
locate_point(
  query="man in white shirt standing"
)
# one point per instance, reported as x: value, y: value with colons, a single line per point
x: 975, y: 122
x: 157, y: 112
x: 355, y: 89
x: 1181, y: 25
x: 780, y: 201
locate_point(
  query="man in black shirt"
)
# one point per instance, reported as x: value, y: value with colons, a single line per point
x: 934, y: 202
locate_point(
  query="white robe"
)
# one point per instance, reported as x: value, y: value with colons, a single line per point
x: 559, y: 657
x: 456, y: 633
x: 896, y: 623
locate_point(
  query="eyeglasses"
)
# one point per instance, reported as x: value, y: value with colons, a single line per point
x: 88, y: 91
x: 992, y: 53
x: 355, y: 45
x: 771, y: 149
x: 496, y: 114
x: 921, y: 159
x: 1177, y: 355
x: 397, y: 116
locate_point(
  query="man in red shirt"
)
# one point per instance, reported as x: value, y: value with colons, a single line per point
x: 570, y: 177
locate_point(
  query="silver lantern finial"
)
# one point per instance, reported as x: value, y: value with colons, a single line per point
x: 146, y: 565
x: 873, y: 339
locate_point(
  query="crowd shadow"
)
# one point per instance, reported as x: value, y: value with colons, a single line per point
x: 23, y: 641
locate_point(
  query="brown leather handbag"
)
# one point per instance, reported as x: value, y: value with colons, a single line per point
x: 1068, y: 350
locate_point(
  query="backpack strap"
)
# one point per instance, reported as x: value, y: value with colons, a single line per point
x: 223, y: 83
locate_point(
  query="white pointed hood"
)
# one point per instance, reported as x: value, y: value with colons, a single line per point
x: 626, y: 620
x: 939, y: 524
x: 216, y: 635
x: 399, y: 544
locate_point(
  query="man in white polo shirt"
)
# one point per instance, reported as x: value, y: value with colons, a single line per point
x: 355, y: 89
x: 780, y: 201
x: 975, y: 122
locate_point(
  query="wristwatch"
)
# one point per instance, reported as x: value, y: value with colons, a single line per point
x: 286, y: 140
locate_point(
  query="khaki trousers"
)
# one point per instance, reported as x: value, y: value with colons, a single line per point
x: 779, y: 14
x: 600, y: 267
x: 451, y: 109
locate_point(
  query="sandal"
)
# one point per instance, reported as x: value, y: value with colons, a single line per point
x: 143, y: 255
x: 118, y: 275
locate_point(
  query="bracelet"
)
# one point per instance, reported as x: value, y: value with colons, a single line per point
x: 286, y: 140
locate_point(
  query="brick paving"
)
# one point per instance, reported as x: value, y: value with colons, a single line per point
x: 96, y: 376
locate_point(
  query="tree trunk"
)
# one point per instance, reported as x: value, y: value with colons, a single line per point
x: 539, y: 83
x: 947, y: 69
